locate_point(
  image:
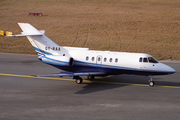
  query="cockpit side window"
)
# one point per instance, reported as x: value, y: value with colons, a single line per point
x: 152, y: 60
x: 145, y: 60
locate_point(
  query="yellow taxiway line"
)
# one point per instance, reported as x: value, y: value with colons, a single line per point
x: 54, y: 78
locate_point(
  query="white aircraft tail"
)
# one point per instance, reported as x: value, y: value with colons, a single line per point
x: 42, y: 44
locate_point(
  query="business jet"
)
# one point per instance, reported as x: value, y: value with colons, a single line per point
x: 76, y: 61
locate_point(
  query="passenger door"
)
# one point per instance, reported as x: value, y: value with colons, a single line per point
x: 99, y: 60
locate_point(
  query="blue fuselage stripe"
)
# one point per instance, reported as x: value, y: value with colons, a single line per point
x: 51, y: 61
x: 42, y: 51
x: 80, y: 66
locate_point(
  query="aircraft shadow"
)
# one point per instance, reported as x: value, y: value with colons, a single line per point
x: 101, y: 84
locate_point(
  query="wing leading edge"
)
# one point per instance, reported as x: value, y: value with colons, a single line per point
x: 61, y: 74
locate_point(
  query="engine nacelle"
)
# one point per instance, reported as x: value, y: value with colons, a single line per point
x: 57, y: 60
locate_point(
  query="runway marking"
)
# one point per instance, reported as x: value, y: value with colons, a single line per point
x: 53, y: 78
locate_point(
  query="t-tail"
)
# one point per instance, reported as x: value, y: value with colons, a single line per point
x: 42, y: 44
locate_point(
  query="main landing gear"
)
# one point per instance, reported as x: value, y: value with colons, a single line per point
x: 90, y: 77
x: 78, y: 79
x: 151, y: 82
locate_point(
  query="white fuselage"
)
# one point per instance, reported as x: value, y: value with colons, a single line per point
x: 85, y: 60
x: 120, y: 61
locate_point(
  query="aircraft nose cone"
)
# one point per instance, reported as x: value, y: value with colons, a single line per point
x: 169, y: 69
x: 165, y: 69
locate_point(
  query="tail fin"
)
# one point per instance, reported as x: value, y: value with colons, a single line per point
x: 42, y: 44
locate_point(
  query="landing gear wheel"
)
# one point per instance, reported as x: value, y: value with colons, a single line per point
x: 79, y: 80
x: 151, y: 83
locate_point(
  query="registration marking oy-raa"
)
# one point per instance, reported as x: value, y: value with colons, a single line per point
x: 54, y: 78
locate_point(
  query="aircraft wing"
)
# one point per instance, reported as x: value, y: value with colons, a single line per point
x: 61, y: 74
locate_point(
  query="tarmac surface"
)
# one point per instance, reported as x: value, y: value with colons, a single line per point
x: 122, y: 97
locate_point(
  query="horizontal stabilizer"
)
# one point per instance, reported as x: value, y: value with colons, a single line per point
x: 28, y: 30
x: 23, y: 35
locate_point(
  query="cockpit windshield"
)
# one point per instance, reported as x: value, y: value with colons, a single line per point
x: 152, y: 60
x: 149, y: 59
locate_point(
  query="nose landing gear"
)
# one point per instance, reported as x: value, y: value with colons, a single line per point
x: 151, y: 82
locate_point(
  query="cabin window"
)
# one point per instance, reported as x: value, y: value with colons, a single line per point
x: 140, y: 59
x: 99, y: 59
x: 105, y: 59
x: 145, y: 60
x: 110, y: 60
x: 87, y: 58
x: 92, y: 58
x: 116, y: 60
x: 152, y: 60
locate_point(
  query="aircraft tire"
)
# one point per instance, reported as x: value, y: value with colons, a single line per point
x: 79, y: 80
x: 151, y: 83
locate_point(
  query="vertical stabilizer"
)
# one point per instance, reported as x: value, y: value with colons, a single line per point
x: 42, y: 44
